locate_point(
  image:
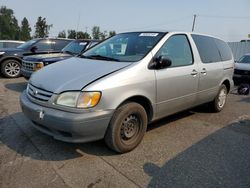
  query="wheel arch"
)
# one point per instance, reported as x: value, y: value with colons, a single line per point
x: 227, y: 84
x: 144, y: 102
x: 11, y: 57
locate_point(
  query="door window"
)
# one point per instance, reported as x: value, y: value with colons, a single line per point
x: 178, y: 50
x: 44, y: 45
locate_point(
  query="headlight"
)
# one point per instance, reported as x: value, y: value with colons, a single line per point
x: 79, y: 99
x: 88, y: 99
x: 1, y: 53
x: 38, y: 66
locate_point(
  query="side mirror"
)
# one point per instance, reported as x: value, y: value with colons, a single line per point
x: 160, y: 63
x: 236, y: 61
x: 33, y: 49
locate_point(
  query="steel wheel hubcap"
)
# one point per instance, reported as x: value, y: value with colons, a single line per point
x: 222, y: 98
x: 130, y: 127
x: 12, y: 69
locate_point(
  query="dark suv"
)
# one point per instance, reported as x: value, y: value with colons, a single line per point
x: 11, y: 58
x: 33, y: 63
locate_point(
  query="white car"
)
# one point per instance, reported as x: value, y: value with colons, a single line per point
x: 242, y: 68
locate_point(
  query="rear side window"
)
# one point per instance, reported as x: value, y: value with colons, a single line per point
x: 178, y: 50
x: 224, y: 50
x: 44, y: 45
x: 207, y: 48
x: 11, y: 44
x: 60, y: 44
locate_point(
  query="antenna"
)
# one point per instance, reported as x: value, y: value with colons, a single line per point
x: 194, y: 22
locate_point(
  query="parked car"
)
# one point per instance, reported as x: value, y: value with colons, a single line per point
x: 242, y: 69
x: 10, y: 43
x: 33, y: 63
x: 11, y: 58
x: 120, y: 85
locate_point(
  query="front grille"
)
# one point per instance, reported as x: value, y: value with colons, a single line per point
x: 241, y: 72
x: 28, y: 65
x: 39, y: 94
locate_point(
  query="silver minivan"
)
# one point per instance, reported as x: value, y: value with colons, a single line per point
x: 116, y: 88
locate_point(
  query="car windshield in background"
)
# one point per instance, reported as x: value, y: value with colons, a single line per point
x: 75, y: 47
x: 125, y: 47
x: 27, y: 44
x: 245, y: 59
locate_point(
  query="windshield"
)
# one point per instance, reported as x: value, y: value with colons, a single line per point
x: 75, y: 47
x: 27, y: 44
x: 126, y: 47
x: 245, y: 59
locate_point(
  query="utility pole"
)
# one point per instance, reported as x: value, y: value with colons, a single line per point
x: 77, y: 24
x: 193, y: 22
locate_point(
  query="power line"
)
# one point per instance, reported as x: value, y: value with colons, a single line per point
x: 159, y: 24
x: 224, y: 17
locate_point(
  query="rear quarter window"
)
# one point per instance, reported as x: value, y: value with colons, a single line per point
x: 60, y: 44
x: 207, y: 48
x: 224, y: 50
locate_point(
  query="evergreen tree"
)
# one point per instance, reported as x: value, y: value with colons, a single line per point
x: 72, y: 34
x: 112, y: 33
x: 9, y: 29
x: 25, y: 30
x: 96, y: 33
x: 83, y: 35
x: 42, y: 28
x: 62, y: 34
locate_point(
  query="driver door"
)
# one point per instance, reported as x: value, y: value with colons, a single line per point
x: 177, y: 85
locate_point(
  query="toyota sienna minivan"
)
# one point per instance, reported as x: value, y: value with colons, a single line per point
x: 116, y: 88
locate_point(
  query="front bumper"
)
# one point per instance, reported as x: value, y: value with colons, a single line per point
x: 67, y: 126
x: 240, y: 76
x: 26, y: 73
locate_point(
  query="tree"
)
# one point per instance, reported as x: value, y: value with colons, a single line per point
x: 96, y: 33
x: 42, y: 28
x: 62, y: 34
x: 83, y: 35
x: 9, y: 28
x: 103, y: 35
x: 25, y: 30
x: 112, y: 33
x: 72, y: 34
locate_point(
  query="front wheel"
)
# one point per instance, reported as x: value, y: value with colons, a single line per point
x: 11, y: 68
x: 220, y: 100
x: 127, y: 127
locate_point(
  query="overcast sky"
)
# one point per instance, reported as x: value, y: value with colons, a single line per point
x: 227, y: 19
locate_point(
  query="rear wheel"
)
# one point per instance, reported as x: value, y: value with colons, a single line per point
x: 220, y: 100
x: 126, y: 128
x: 11, y: 68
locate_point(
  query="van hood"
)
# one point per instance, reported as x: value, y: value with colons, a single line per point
x: 242, y: 66
x: 73, y: 74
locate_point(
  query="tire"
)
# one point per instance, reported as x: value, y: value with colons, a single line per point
x: 127, y: 127
x: 11, y: 68
x: 220, y: 100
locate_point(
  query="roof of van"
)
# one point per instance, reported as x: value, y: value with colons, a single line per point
x: 169, y: 31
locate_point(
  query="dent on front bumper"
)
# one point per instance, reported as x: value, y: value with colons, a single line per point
x: 67, y: 126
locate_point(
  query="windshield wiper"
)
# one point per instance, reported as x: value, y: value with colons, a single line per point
x: 100, y: 57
